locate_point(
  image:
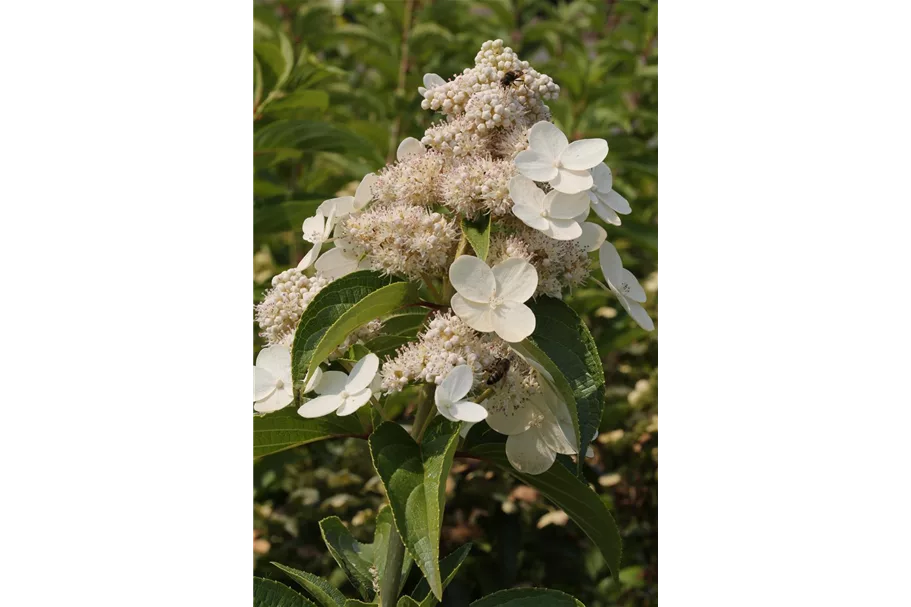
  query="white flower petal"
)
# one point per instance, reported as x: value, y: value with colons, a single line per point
x: 605, y: 212
x: 592, y: 237
x: 338, y: 206
x: 364, y: 193
x: 314, y: 226
x: 274, y: 359
x: 638, y: 313
x: 566, y: 206
x: 433, y: 80
x: 445, y: 412
x: 523, y: 191
x: 564, y: 229
x: 279, y: 399
x: 333, y: 382
x: 513, y: 321
x: 630, y: 287
x: 354, y: 402
x: 314, y: 380
x: 611, y: 264
x: 454, y: 386
x: 467, y: 411
x: 527, y: 453
x: 362, y: 373
x: 421, y: 91
x: 320, y: 406
x: 530, y: 216
x: 263, y: 383
x: 570, y: 182
x: 547, y: 139
x: 472, y: 278
x: 617, y: 203
x: 311, y: 256
x: 535, y: 166
x: 465, y: 429
x: 603, y: 178
x: 516, y: 279
x: 584, y: 154
x: 335, y: 263
x: 508, y: 417
x: 409, y: 148
x: 476, y: 315
x: 583, y: 215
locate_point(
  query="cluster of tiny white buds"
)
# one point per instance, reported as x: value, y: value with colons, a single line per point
x: 478, y: 185
x: 282, y: 306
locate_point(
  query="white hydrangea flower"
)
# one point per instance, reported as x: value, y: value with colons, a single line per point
x: 553, y: 213
x: 494, y: 299
x: 409, y: 148
x: 450, y: 395
x: 318, y: 229
x: 430, y: 81
x: 551, y: 158
x: 343, y: 393
x: 604, y: 200
x: 624, y: 285
x: 272, y: 387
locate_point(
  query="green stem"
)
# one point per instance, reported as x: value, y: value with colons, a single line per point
x: 432, y: 288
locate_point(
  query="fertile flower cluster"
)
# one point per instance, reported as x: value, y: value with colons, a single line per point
x: 495, y: 156
x: 281, y: 308
x: 446, y: 343
x: 403, y: 239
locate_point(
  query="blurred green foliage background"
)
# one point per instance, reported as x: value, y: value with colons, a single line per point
x: 335, y: 91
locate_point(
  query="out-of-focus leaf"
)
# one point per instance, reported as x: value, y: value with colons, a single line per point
x: 284, y: 216
x: 299, y: 105
x: 310, y: 136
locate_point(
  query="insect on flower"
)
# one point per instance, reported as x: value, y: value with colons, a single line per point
x: 497, y: 371
x: 510, y: 78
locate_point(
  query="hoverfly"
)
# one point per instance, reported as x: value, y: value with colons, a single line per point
x: 510, y: 77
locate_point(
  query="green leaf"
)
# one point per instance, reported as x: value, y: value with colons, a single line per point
x: 257, y: 82
x: 287, y: 56
x: 528, y: 597
x: 414, y: 476
x: 299, y: 104
x: 342, y: 307
x: 566, y: 340
x: 407, y: 601
x: 357, y: 603
x: 449, y: 566
x: 386, y: 345
x: 561, y: 487
x: 285, y: 429
x: 407, y: 323
x: 384, y: 529
x: 272, y: 59
x: 325, y: 593
x: 478, y: 234
x: 310, y: 136
x: 267, y: 593
x: 355, y: 558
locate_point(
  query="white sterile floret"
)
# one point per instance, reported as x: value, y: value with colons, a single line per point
x: 553, y: 213
x: 551, y: 158
x: 342, y: 260
x: 282, y: 305
x: 624, y: 285
x: 343, y: 393
x: 494, y: 299
x: 604, y: 200
x: 535, y: 450
x: 272, y: 387
x: 450, y: 397
x: 318, y: 229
